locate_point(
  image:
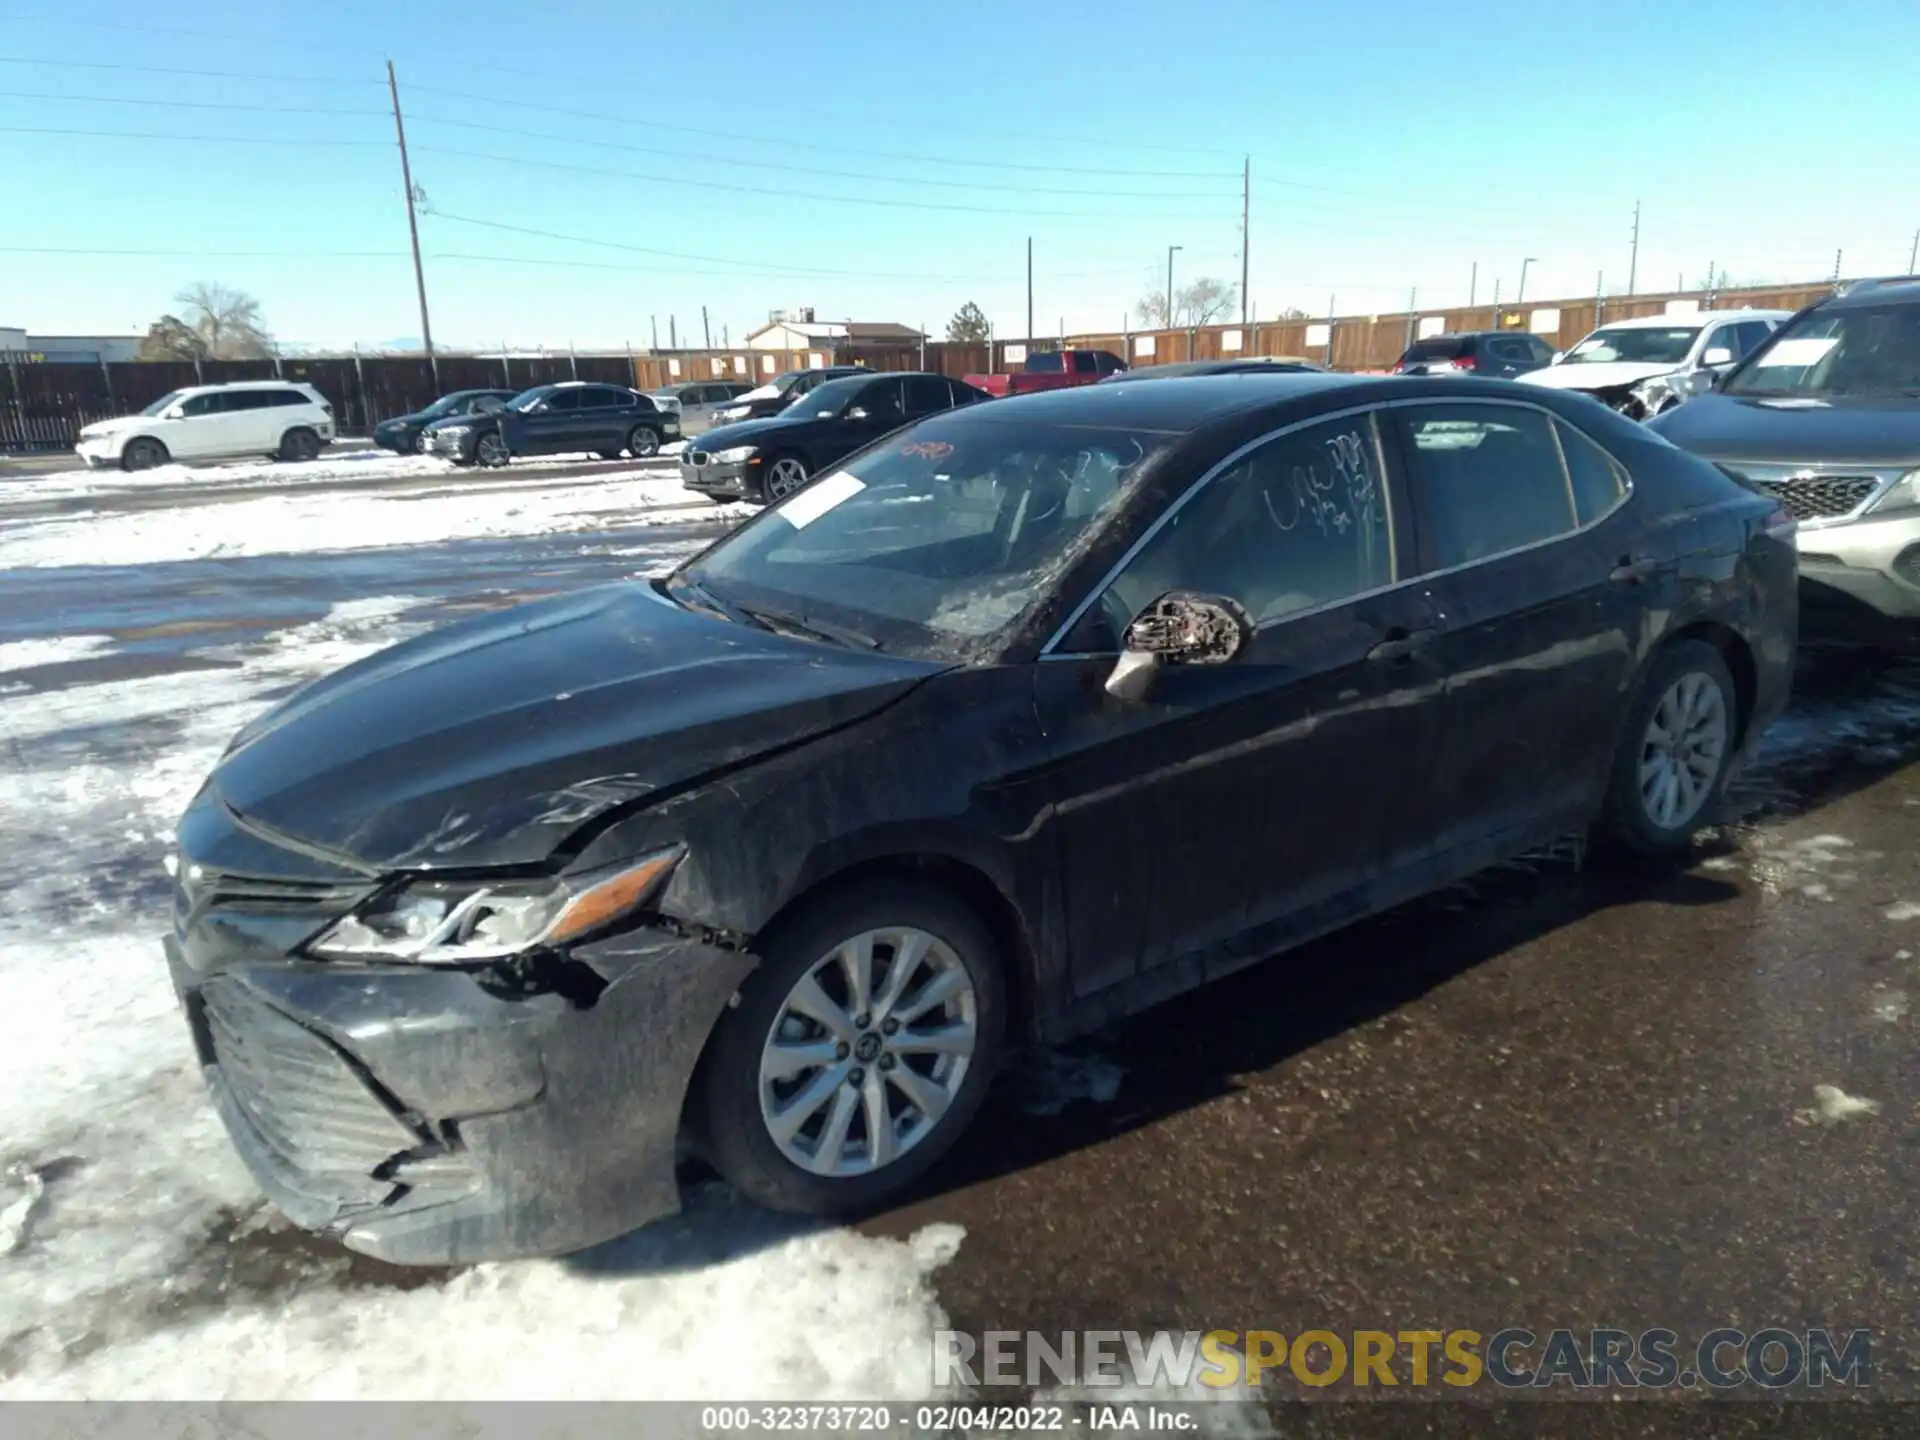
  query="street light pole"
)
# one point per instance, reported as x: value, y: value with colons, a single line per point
x: 1170, y: 250
x: 1521, y: 294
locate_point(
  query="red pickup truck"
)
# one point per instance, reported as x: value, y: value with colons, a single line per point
x: 1051, y: 370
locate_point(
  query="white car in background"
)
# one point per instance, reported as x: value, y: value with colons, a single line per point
x: 282, y: 419
x: 695, y: 401
x: 1615, y: 362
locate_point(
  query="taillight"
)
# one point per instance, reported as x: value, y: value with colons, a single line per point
x: 1463, y: 362
x: 1399, y: 368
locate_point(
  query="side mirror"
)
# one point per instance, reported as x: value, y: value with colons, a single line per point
x: 174, y: 412
x: 859, y: 412
x: 1558, y: 356
x: 1718, y: 355
x: 1180, y: 628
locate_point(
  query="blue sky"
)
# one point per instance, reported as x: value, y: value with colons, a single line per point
x: 888, y: 161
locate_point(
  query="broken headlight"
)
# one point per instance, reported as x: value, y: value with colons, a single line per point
x: 458, y: 922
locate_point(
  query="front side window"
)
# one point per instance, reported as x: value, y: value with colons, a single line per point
x: 560, y: 401
x: 1298, y: 523
x: 1490, y: 477
x: 1869, y: 352
x: 881, y: 400
x: 202, y: 405
x: 935, y: 541
x: 1635, y: 344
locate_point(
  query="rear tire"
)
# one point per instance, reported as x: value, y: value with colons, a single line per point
x: 735, y: 1092
x: 1670, y: 768
x: 643, y: 442
x: 143, y: 454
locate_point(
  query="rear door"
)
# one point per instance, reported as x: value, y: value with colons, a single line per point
x: 1523, y: 526
x: 1242, y: 799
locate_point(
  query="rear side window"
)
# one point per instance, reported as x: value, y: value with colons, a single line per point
x: 1516, y: 351
x: 1490, y: 480
x: 1083, y: 364
x: 927, y: 394
x: 1047, y: 363
x: 1599, y: 483
x: 1441, y: 347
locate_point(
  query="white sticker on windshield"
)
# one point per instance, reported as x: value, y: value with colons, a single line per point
x: 1797, y: 352
x: 820, y: 497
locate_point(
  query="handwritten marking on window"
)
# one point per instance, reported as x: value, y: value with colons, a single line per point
x: 1345, y: 497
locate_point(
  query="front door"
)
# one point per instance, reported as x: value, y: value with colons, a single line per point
x: 1523, y: 528
x: 1239, y: 798
x: 203, y: 429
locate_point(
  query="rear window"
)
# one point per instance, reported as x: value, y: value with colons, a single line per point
x: 1441, y: 347
x: 1047, y: 363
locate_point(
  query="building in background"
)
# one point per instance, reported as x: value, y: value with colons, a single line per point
x: 86, y: 349
x: 840, y: 339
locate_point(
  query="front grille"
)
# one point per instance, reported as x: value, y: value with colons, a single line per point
x: 300, y: 1094
x: 1812, y: 495
x: 698, y: 457
x: 198, y: 891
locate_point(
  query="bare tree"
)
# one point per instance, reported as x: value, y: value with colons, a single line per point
x: 1200, y: 303
x: 1294, y: 312
x: 228, y: 322
x: 171, y: 338
x: 968, y: 325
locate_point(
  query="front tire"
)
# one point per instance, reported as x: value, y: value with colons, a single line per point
x: 490, y: 450
x: 786, y: 474
x: 1671, y: 767
x: 861, y: 1049
x: 299, y: 445
x: 143, y: 454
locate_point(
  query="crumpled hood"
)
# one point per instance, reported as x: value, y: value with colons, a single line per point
x: 489, y: 741
x: 1787, y: 431
x: 1601, y: 375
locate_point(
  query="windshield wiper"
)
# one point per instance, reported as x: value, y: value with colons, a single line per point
x: 696, y: 596
x: 804, y: 628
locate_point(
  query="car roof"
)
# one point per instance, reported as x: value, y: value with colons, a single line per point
x: 1179, y: 402
x: 251, y: 385
x: 1691, y: 317
x: 1894, y: 290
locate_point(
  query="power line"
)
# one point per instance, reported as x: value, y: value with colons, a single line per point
x: 771, y: 191
x: 789, y: 143
x: 288, y: 140
x: 783, y: 166
x: 200, y: 254
x: 171, y: 103
x: 176, y: 70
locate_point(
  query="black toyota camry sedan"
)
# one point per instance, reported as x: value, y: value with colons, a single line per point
x: 1023, y: 718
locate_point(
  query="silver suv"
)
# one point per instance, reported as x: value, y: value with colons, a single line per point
x: 1826, y: 417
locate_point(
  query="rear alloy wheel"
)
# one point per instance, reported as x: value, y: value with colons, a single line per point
x: 491, y: 449
x: 784, y: 476
x: 1672, y: 763
x: 420, y: 443
x: 860, y: 1050
x: 143, y: 454
x: 299, y: 445
x: 643, y: 441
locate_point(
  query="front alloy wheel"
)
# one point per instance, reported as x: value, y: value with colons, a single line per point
x: 857, y: 1052
x: 491, y: 450
x: 869, y: 1050
x: 785, y: 476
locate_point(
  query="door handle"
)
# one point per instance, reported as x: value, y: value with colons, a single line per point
x: 1632, y: 572
x: 1400, y: 644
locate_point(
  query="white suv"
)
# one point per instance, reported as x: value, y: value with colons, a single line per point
x: 280, y: 418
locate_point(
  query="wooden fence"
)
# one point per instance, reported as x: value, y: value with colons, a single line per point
x: 44, y: 405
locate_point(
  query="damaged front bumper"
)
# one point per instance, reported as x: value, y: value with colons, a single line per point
x: 425, y: 1118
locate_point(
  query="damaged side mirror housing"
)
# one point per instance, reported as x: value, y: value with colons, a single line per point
x: 1179, y: 628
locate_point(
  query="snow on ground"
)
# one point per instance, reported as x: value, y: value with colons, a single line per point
x: 26, y: 654
x: 355, y: 464
x: 281, y: 524
x: 136, y: 1246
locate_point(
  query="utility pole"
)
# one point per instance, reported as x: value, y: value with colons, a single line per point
x: 654, y: 321
x: 1836, y: 267
x: 1170, y: 250
x: 1599, y: 298
x: 1246, y: 237
x: 1029, y: 289
x: 1413, y: 300
x: 1473, y: 284
x: 1520, y: 298
x: 1913, y: 255
x: 1633, y: 264
x: 706, y: 330
x: 1712, y: 268
x: 1496, y: 302
x: 413, y: 221
x: 673, y: 333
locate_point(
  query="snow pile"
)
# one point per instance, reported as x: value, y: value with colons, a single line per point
x: 281, y: 524
x: 58, y: 650
x: 136, y: 1256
